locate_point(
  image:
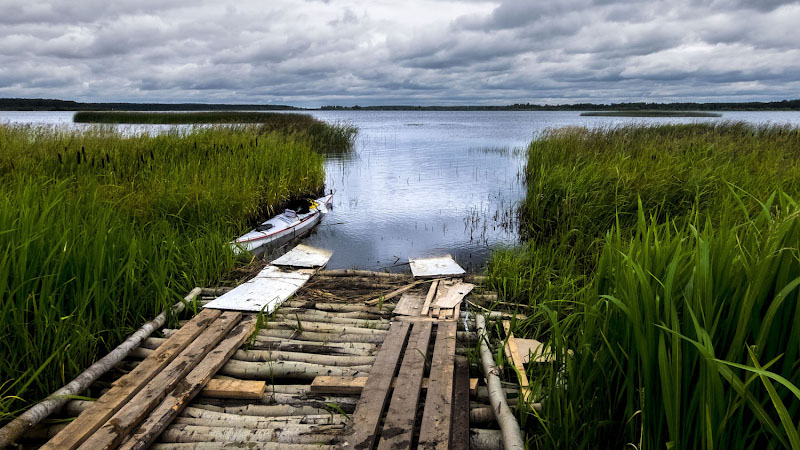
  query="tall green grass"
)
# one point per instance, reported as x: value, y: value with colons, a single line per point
x: 100, y: 231
x: 650, y: 256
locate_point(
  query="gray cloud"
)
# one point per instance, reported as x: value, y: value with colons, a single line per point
x: 418, y: 52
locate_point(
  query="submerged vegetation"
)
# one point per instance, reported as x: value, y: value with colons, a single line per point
x: 667, y: 258
x: 646, y: 113
x: 99, y: 231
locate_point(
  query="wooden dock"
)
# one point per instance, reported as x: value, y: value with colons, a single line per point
x: 354, y: 360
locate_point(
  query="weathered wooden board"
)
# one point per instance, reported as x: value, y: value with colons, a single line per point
x: 304, y: 256
x: 233, y: 388
x: 271, y: 287
x: 451, y: 293
x: 460, y: 433
x: 402, y: 413
x: 533, y: 350
x: 189, y: 387
x: 516, y: 360
x: 436, y: 418
x: 443, y: 266
x: 133, y: 412
x: 127, y: 386
x: 326, y: 384
x: 473, y: 387
x: 429, y: 298
x: 410, y: 304
x: 376, y: 392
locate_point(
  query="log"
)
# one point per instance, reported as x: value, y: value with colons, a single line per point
x: 481, y: 415
x: 235, y: 446
x: 11, y: 431
x: 320, y: 347
x: 323, y: 327
x: 277, y: 355
x: 376, y: 324
x: 244, y: 420
x: 263, y: 410
x: 480, y: 439
x: 289, y: 434
x: 264, y: 423
x: 363, y: 273
x: 324, y: 337
x: 512, y: 436
x: 287, y: 369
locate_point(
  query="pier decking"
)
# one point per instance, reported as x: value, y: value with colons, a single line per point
x: 353, y: 360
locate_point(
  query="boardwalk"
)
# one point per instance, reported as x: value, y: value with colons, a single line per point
x: 353, y: 360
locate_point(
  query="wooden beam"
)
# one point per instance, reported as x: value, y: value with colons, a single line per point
x: 402, y: 412
x: 132, y: 413
x: 128, y: 385
x: 431, y: 293
x: 516, y: 361
x: 189, y: 387
x: 376, y: 392
x: 325, y: 384
x: 460, y: 433
x: 436, y: 418
x: 233, y: 388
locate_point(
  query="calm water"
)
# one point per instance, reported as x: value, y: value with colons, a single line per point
x: 431, y: 183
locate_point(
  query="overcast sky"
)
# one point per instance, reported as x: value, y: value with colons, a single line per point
x: 345, y: 52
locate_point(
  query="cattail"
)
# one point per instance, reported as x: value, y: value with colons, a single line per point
x: 151, y: 155
x: 60, y: 161
x: 83, y: 151
x: 78, y: 154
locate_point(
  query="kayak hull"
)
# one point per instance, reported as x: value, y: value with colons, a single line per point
x: 282, y: 229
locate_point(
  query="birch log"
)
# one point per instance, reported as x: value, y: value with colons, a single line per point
x: 512, y: 436
x: 57, y: 399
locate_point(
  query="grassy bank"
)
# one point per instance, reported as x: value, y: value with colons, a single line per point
x: 100, y: 231
x: 650, y: 114
x: 667, y: 259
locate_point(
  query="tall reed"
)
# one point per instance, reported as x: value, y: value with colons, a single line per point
x: 99, y: 231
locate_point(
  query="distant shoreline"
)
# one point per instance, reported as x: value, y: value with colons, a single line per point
x: 650, y: 114
x: 24, y: 104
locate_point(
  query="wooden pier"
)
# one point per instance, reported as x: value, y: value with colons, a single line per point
x: 354, y: 360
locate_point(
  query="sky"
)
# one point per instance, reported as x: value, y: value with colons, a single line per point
x: 311, y: 53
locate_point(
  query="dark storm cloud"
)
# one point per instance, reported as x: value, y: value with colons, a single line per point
x: 421, y: 51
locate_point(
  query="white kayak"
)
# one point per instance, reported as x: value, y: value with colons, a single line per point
x: 284, y: 227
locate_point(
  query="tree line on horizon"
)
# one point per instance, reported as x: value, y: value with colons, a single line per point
x: 38, y: 104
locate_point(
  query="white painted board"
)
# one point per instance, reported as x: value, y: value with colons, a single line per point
x: 304, y: 256
x: 267, y: 290
x: 435, y: 267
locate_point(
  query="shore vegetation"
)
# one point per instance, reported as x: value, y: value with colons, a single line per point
x: 101, y: 229
x: 652, y: 113
x: 662, y: 270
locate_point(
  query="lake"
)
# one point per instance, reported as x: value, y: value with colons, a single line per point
x: 428, y: 183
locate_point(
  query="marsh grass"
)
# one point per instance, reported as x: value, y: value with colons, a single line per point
x: 100, y: 231
x: 668, y: 259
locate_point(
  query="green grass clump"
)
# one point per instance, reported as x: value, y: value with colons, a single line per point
x: 645, y: 113
x: 100, y: 231
x: 649, y: 255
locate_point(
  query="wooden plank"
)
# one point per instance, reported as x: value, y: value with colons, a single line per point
x: 394, y: 293
x: 128, y: 385
x: 473, y: 387
x: 376, y: 391
x: 431, y: 294
x: 516, y: 361
x: 266, y: 291
x: 460, y: 433
x: 325, y: 384
x: 450, y: 294
x: 435, y: 267
x: 398, y: 429
x: 132, y: 413
x: 410, y: 304
x: 533, y: 350
x: 189, y: 387
x: 436, y: 418
x: 232, y: 388
x: 304, y: 256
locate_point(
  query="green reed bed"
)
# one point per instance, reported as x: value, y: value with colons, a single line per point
x: 100, y: 231
x: 651, y: 257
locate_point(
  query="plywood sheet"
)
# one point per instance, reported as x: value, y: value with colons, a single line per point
x: 410, y: 304
x: 435, y: 267
x: 271, y: 287
x: 304, y: 256
x: 451, y: 293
